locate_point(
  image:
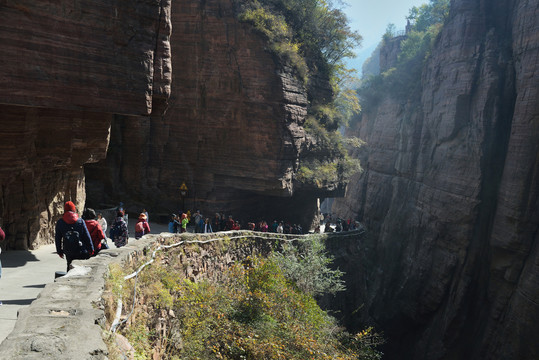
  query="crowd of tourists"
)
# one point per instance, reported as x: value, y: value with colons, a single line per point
x: 81, y: 238
x: 340, y: 224
x: 221, y: 222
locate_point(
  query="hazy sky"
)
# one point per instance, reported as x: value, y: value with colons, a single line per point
x: 370, y: 17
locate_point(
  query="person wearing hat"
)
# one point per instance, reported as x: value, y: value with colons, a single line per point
x: 94, y: 228
x: 72, y: 238
x: 141, y: 227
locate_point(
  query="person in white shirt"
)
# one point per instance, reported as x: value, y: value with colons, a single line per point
x: 101, y: 220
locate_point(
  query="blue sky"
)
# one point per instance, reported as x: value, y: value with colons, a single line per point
x: 371, y: 17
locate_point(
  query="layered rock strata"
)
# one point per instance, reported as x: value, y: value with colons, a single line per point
x: 67, y: 70
x: 450, y: 195
x: 232, y: 131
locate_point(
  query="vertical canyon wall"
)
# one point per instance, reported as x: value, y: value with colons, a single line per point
x: 450, y: 195
x: 67, y: 69
x: 232, y: 131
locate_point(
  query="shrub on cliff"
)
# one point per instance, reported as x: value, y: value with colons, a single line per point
x: 279, y: 35
x: 306, y: 263
x: 328, y: 161
x: 314, y: 37
x: 255, y: 312
x: 319, y: 33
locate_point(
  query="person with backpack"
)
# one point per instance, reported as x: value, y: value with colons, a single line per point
x: 72, y: 238
x: 141, y: 227
x: 94, y: 228
x: 118, y: 231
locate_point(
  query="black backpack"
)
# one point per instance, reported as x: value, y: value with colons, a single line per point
x: 115, y: 230
x: 73, y: 246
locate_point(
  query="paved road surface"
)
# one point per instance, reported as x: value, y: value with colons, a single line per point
x: 25, y: 274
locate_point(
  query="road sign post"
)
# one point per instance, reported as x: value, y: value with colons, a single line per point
x: 183, y: 193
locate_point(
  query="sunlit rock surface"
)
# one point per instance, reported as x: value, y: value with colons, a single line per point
x: 450, y: 196
x: 232, y: 130
x: 66, y: 69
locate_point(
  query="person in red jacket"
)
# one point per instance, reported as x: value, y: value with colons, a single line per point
x: 141, y: 227
x: 94, y: 228
x: 72, y: 238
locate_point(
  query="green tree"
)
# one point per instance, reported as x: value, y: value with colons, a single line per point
x: 390, y: 33
x: 426, y: 15
x: 404, y: 80
x: 314, y: 37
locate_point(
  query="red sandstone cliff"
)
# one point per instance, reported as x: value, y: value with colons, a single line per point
x: 450, y: 195
x: 232, y: 131
x: 66, y: 69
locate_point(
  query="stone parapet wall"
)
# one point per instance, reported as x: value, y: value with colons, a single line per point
x: 68, y: 318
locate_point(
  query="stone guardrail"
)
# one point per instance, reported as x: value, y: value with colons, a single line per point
x: 67, y: 319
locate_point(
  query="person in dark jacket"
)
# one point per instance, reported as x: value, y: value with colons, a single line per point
x: 70, y: 222
x: 94, y: 228
x: 118, y: 231
x: 171, y: 224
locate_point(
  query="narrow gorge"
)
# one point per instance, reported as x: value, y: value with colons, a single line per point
x: 450, y: 195
x: 109, y: 101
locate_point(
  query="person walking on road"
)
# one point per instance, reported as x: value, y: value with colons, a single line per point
x: 94, y: 228
x: 102, y: 221
x: 142, y: 227
x: 118, y: 231
x: 145, y: 212
x: 72, y: 238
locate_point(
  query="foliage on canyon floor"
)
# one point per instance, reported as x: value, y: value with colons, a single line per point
x: 255, y: 311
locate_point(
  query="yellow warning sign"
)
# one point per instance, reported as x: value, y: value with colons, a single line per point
x: 183, y: 187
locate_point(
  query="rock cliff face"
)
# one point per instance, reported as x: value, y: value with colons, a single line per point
x: 450, y: 195
x: 390, y: 52
x: 67, y: 70
x: 232, y: 131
